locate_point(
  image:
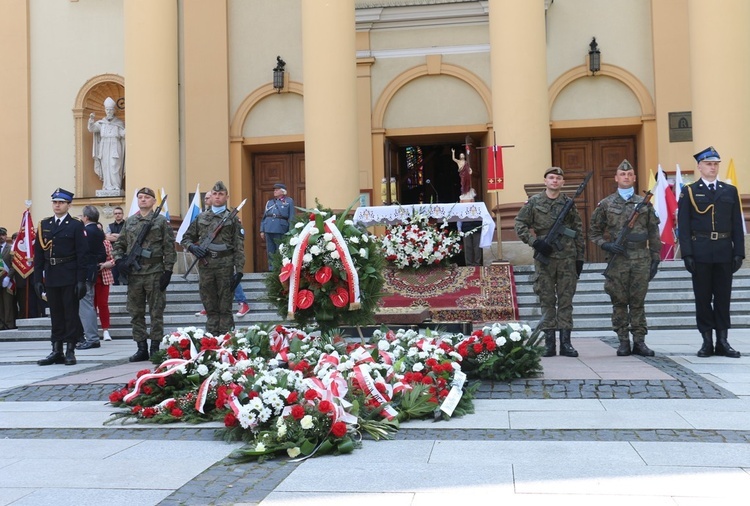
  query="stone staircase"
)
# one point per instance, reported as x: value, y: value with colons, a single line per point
x: 669, y: 304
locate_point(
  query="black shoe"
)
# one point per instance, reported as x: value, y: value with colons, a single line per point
x: 549, y: 344
x: 723, y: 348
x: 624, y: 349
x: 708, y: 344
x: 566, y: 349
x: 70, y: 354
x: 154, y: 347
x: 56, y: 357
x: 87, y: 345
x: 142, y: 354
x: 640, y: 348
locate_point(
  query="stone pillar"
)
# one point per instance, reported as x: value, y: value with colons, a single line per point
x: 151, y: 97
x: 330, y: 102
x: 720, y: 75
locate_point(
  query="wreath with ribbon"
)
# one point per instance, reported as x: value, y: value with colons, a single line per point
x: 327, y: 271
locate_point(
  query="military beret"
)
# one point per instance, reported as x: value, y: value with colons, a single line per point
x: 61, y: 195
x: 707, y: 155
x: 625, y: 165
x: 280, y: 186
x: 146, y: 191
x: 3, y: 231
x: 219, y: 187
x: 554, y: 170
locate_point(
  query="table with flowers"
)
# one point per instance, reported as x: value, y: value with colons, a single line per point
x: 470, y: 211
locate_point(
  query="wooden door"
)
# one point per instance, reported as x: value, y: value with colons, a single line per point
x: 602, y: 156
x: 272, y: 168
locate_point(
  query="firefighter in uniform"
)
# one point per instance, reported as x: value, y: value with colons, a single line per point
x: 60, y: 255
x: 712, y: 241
x: 221, y: 262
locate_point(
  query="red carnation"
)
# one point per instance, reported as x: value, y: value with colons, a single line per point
x: 311, y: 395
x: 115, y: 396
x: 136, y: 409
x: 325, y: 406
x: 176, y: 412
x: 162, y: 382
x: 298, y: 412
x: 338, y: 429
x: 291, y: 398
x: 323, y: 275
x: 305, y: 299
x: 478, y: 348
x: 148, y: 412
x: 230, y: 420
x: 173, y: 352
x: 142, y: 372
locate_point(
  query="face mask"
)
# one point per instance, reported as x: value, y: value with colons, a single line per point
x: 218, y: 210
x: 626, y: 193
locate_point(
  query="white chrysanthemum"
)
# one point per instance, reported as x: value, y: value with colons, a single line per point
x: 515, y: 336
x: 307, y: 422
x: 417, y: 367
x: 202, y: 370
x: 500, y: 341
x: 264, y: 414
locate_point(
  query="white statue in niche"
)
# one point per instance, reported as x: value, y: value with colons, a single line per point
x: 109, y: 149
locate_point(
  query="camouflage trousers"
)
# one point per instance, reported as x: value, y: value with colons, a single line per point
x: 217, y: 296
x: 626, y: 285
x: 144, y: 289
x: 555, y: 285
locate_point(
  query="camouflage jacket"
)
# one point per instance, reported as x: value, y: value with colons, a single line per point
x: 540, y: 213
x: 159, y: 244
x: 611, y: 216
x: 228, y: 248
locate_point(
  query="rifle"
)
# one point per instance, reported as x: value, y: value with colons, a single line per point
x: 206, y: 241
x: 130, y: 262
x: 625, y: 232
x: 559, y: 229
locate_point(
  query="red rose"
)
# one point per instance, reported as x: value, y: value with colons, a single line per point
x: 338, y: 429
x: 325, y: 406
x: 311, y: 395
x: 323, y: 275
x: 148, y: 412
x: 230, y: 420
x: 305, y: 299
x: 340, y: 297
x: 286, y: 272
x: 298, y: 412
x: 173, y: 352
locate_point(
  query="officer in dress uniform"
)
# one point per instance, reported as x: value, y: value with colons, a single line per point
x: 222, y: 261
x: 712, y: 241
x: 277, y: 218
x: 60, y: 256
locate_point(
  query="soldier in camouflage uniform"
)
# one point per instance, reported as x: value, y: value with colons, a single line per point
x: 147, y: 285
x: 221, y: 263
x: 635, y: 263
x: 555, y: 284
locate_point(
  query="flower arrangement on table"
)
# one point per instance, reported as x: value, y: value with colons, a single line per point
x: 286, y: 391
x: 420, y: 241
x: 328, y: 271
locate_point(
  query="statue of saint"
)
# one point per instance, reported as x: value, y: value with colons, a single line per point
x: 109, y: 147
x: 464, y: 172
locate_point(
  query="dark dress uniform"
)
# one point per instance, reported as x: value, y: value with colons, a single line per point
x: 713, y: 245
x: 60, y: 255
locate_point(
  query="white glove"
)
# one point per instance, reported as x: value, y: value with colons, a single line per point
x: 6, y: 281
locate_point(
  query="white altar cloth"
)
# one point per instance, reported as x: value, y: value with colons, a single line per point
x: 469, y: 211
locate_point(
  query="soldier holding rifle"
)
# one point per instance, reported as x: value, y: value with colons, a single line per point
x: 549, y: 222
x: 216, y: 239
x: 626, y: 227
x: 145, y: 255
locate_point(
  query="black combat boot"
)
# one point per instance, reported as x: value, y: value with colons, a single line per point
x: 708, y: 344
x: 624, y: 349
x: 142, y: 354
x: 70, y: 353
x: 56, y: 357
x: 640, y: 348
x: 549, y: 343
x: 566, y: 349
x: 154, y: 347
x: 722, y: 345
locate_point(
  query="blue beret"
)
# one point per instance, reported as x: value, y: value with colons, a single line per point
x: 62, y: 195
x: 709, y: 155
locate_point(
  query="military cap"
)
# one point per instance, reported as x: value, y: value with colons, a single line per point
x: 3, y: 231
x: 219, y: 187
x: 280, y: 186
x: 625, y: 165
x: 61, y: 195
x: 554, y: 170
x: 707, y: 155
x: 146, y: 191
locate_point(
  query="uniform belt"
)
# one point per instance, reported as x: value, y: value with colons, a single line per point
x: 60, y: 260
x: 274, y: 216
x: 635, y: 245
x: 714, y: 236
x: 220, y: 254
x: 152, y: 260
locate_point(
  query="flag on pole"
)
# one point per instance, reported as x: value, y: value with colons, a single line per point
x: 192, y: 213
x: 678, y: 184
x: 665, y: 207
x: 165, y: 209
x: 495, y: 175
x: 23, y: 246
x: 134, y: 204
x: 732, y: 179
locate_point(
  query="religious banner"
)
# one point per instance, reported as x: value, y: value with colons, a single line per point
x: 495, y: 176
x: 23, y: 246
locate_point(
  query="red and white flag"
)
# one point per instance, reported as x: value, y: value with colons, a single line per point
x: 23, y: 246
x: 666, y: 208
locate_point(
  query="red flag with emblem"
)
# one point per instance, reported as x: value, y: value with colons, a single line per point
x: 495, y: 177
x: 23, y: 246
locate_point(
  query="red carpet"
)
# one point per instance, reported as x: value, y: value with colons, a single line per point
x: 452, y: 293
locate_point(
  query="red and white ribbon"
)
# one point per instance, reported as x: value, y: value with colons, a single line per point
x: 346, y: 260
x: 367, y: 384
x: 297, y: 256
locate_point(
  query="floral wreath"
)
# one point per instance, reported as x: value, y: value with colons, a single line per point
x: 420, y: 241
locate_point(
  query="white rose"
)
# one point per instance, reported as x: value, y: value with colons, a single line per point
x: 514, y: 326
x: 202, y: 370
x: 363, y: 253
x: 306, y: 422
x: 383, y: 345
x: 328, y: 237
x: 330, y: 246
x: 515, y: 336
x: 500, y: 341
x: 315, y: 250
x: 293, y: 452
x: 417, y: 367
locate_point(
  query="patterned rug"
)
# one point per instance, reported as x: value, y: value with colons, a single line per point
x: 453, y: 293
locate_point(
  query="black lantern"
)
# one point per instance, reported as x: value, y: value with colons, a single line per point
x: 278, y: 75
x: 594, y: 57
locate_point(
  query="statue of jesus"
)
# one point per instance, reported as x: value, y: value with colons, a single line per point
x: 464, y: 172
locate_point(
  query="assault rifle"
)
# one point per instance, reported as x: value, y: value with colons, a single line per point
x: 130, y: 262
x: 558, y: 230
x: 625, y: 232
x: 206, y: 241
